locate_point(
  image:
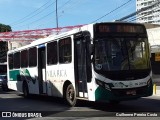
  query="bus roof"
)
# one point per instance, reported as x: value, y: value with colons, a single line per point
x: 52, y: 38
x: 65, y: 34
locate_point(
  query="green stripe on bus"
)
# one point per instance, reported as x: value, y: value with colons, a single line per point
x: 102, y: 94
x: 20, y: 75
x: 14, y: 75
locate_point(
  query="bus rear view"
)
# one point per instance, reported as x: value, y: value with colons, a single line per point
x: 121, y: 62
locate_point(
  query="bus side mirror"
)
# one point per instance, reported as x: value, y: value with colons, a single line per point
x: 91, y: 49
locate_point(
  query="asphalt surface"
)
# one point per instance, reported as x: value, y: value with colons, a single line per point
x: 55, y: 108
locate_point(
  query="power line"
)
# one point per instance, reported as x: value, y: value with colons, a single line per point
x: 36, y: 13
x: 112, y: 11
x: 49, y: 13
x: 121, y: 11
x: 61, y: 14
x: 31, y: 13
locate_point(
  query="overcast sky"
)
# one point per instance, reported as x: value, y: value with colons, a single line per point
x: 40, y: 14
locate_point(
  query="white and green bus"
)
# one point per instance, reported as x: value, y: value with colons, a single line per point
x: 97, y: 62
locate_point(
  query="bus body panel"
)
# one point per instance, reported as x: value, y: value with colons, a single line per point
x: 56, y: 76
x: 14, y: 85
x: 32, y: 80
x: 14, y: 81
x: 52, y: 78
x: 26, y: 74
x: 91, y: 90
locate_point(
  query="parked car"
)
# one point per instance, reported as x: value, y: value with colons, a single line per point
x: 3, y: 82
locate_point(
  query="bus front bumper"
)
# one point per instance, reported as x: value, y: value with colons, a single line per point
x: 102, y: 94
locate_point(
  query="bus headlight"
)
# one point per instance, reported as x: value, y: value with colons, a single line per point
x: 100, y: 83
x: 149, y: 82
x: 103, y: 84
x: 107, y: 87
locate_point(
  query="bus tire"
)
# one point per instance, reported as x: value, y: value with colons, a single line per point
x: 25, y: 90
x: 70, y: 95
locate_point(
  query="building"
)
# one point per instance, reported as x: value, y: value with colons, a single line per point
x: 148, y: 15
x: 16, y: 44
x: 3, y: 51
x: 154, y: 40
x: 154, y: 37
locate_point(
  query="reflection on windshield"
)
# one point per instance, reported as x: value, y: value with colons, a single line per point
x: 112, y: 54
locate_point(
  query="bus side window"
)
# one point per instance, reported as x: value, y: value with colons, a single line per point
x: 52, y: 53
x: 33, y: 57
x: 24, y: 58
x: 65, y: 51
x: 16, y: 61
x: 10, y: 61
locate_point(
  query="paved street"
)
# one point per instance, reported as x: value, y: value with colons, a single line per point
x: 50, y: 107
x: 53, y: 107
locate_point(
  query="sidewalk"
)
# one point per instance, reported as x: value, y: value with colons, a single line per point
x: 156, y: 81
x: 156, y: 91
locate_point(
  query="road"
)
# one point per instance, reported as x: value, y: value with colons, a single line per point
x: 50, y: 107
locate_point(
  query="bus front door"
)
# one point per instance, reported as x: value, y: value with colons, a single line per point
x: 42, y: 70
x: 80, y: 68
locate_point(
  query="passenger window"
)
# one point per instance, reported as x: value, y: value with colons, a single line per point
x: 24, y: 58
x: 65, y: 51
x: 52, y: 53
x: 16, y: 61
x: 33, y: 57
x: 10, y: 59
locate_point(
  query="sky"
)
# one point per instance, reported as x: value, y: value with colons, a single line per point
x: 40, y: 14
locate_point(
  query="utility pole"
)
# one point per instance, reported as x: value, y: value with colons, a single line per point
x: 56, y: 17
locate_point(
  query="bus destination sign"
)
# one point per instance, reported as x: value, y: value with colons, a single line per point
x: 119, y: 28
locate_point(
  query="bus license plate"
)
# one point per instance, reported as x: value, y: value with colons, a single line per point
x: 131, y: 92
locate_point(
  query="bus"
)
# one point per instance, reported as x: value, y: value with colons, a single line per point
x: 108, y: 62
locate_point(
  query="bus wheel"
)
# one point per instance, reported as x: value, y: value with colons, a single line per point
x: 70, y: 95
x: 25, y: 90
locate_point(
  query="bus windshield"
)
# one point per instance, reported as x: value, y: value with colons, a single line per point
x: 121, y: 53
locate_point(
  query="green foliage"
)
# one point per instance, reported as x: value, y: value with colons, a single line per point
x: 5, y: 28
x: 4, y: 44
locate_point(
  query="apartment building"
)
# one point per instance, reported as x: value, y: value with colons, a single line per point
x: 150, y: 15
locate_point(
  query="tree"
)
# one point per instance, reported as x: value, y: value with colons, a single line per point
x: 5, y: 28
x: 4, y: 44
